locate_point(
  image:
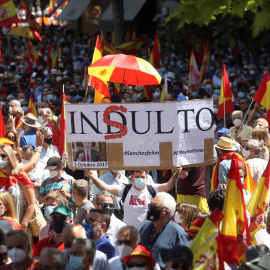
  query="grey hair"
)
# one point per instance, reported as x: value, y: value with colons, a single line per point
x: 257, y: 146
x: 47, y: 112
x: 81, y: 187
x: 29, y: 146
x: 60, y: 258
x: 104, y: 193
x: 16, y: 102
x: 237, y: 112
x: 133, y: 231
x: 168, y: 202
x: 89, y: 245
x: 20, y: 110
x: 21, y: 233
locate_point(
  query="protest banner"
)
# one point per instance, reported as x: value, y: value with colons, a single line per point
x: 140, y: 135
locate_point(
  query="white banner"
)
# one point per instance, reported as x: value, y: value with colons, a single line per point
x: 140, y: 127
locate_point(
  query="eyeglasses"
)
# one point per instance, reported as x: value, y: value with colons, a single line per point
x: 11, y: 138
x: 138, y: 264
x: 125, y: 242
x: 3, y: 156
x: 61, y: 218
x: 183, y: 266
x: 106, y: 205
x: 47, y: 128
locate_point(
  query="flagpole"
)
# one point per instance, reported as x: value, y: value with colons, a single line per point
x: 246, y: 115
x: 65, y: 148
x: 224, y: 113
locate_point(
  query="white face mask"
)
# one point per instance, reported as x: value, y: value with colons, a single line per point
x: 123, y: 250
x: 237, y: 122
x: 258, y: 126
x: 10, y: 109
x: 177, y: 218
x: 2, y: 210
x: 136, y: 268
x: 24, y: 161
x: 16, y: 255
x: 215, y: 110
x: 245, y: 153
x: 53, y: 174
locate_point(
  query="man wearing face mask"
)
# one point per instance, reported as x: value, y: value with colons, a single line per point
x: 105, y: 200
x: 79, y: 193
x: 19, y: 250
x: 237, y: 133
x: 161, y: 234
x: 137, y: 196
x: 70, y: 233
x: 57, y: 181
x: 61, y: 217
x: 38, y: 88
x: 113, y: 177
x: 139, y: 94
x: 96, y: 226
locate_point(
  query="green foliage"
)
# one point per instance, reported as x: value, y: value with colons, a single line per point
x: 204, y: 12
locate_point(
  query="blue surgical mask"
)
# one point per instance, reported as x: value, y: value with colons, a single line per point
x: 115, y: 171
x: 138, y: 96
x: 25, y: 109
x: 140, y: 182
x: 21, y: 100
x: 50, y: 97
x: 76, y: 263
x: 211, y: 68
x: 88, y: 229
x: 163, y: 69
x: 172, y: 63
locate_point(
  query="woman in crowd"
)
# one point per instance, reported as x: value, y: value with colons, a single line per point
x: 11, y: 176
x: 7, y: 211
x: 185, y: 214
x: 13, y: 137
x: 261, y: 134
x: 53, y: 121
x: 255, y: 159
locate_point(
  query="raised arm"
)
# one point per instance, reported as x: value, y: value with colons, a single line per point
x: 170, y: 184
x: 103, y: 186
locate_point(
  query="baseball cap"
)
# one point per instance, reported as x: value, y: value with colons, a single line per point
x: 180, y: 253
x: 53, y: 163
x: 62, y: 209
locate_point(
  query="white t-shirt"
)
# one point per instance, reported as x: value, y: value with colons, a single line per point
x: 115, y: 225
x: 136, y: 205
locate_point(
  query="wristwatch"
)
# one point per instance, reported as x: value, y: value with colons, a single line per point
x: 25, y: 223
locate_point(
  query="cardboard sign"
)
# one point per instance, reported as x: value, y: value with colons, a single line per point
x: 140, y: 135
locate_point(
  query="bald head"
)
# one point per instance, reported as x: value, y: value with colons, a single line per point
x: 168, y: 97
x: 263, y: 123
x: 72, y: 232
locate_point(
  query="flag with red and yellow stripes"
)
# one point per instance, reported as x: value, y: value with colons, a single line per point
x: 32, y: 107
x: 234, y: 230
x: 101, y: 87
x: 257, y: 204
x: 205, y: 62
x: 131, y: 47
x: 226, y: 96
x: 194, y: 74
x: 8, y: 13
x: 6, y: 141
x: 156, y: 53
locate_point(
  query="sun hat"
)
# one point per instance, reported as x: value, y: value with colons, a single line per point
x: 31, y: 121
x: 225, y: 143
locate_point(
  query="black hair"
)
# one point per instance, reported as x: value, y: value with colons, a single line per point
x: 216, y: 199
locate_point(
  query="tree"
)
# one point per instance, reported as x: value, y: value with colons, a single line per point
x: 203, y: 12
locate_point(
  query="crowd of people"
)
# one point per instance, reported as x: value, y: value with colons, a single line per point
x: 52, y: 217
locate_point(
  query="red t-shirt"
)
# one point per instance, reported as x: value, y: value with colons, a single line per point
x: 47, y: 242
x: 33, y: 266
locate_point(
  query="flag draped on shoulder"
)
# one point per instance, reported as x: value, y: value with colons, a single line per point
x: 263, y: 95
x: 194, y: 74
x: 226, y: 96
x: 32, y: 107
x: 257, y: 204
x: 206, y: 246
x: 156, y: 53
x: 234, y: 232
x: 101, y: 87
x: 8, y: 13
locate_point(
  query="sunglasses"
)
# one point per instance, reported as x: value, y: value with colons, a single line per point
x: 47, y: 128
x: 61, y: 218
x: 125, y: 242
x: 138, y: 264
x: 106, y: 205
x: 12, y: 138
x: 155, y: 207
x: 3, y: 156
x: 183, y: 267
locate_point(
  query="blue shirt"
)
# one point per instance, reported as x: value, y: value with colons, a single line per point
x: 28, y: 138
x: 105, y: 245
x: 223, y: 169
x: 171, y: 235
x: 109, y: 179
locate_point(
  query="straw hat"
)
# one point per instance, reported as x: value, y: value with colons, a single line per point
x: 31, y: 121
x: 225, y: 143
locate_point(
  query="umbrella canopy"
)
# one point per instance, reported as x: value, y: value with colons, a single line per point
x: 24, y: 31
x: 121, y: 68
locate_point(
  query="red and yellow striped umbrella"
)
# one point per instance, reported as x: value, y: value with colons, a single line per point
x: 121, y: 68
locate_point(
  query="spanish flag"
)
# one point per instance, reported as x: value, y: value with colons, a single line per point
x: 263, y: 95
x: 234, y: 231
x: 194, y: 74
x: 8, y: 14
x: 18, y: 124
x: 108, y: 49
x: 6, y: 141
x: 205, y: 62
x: 257, y: 204
x: 156, y: 53
x: 32, y: 107
x: 101, y: 87
x: 131, y: 47
x: 226, y: 96
x: 206, y: 246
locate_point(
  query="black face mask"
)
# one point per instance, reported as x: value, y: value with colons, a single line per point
x: 153, y: 214
x: 48, y: 141
x: 109, y: 211
x: 58, y: 225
